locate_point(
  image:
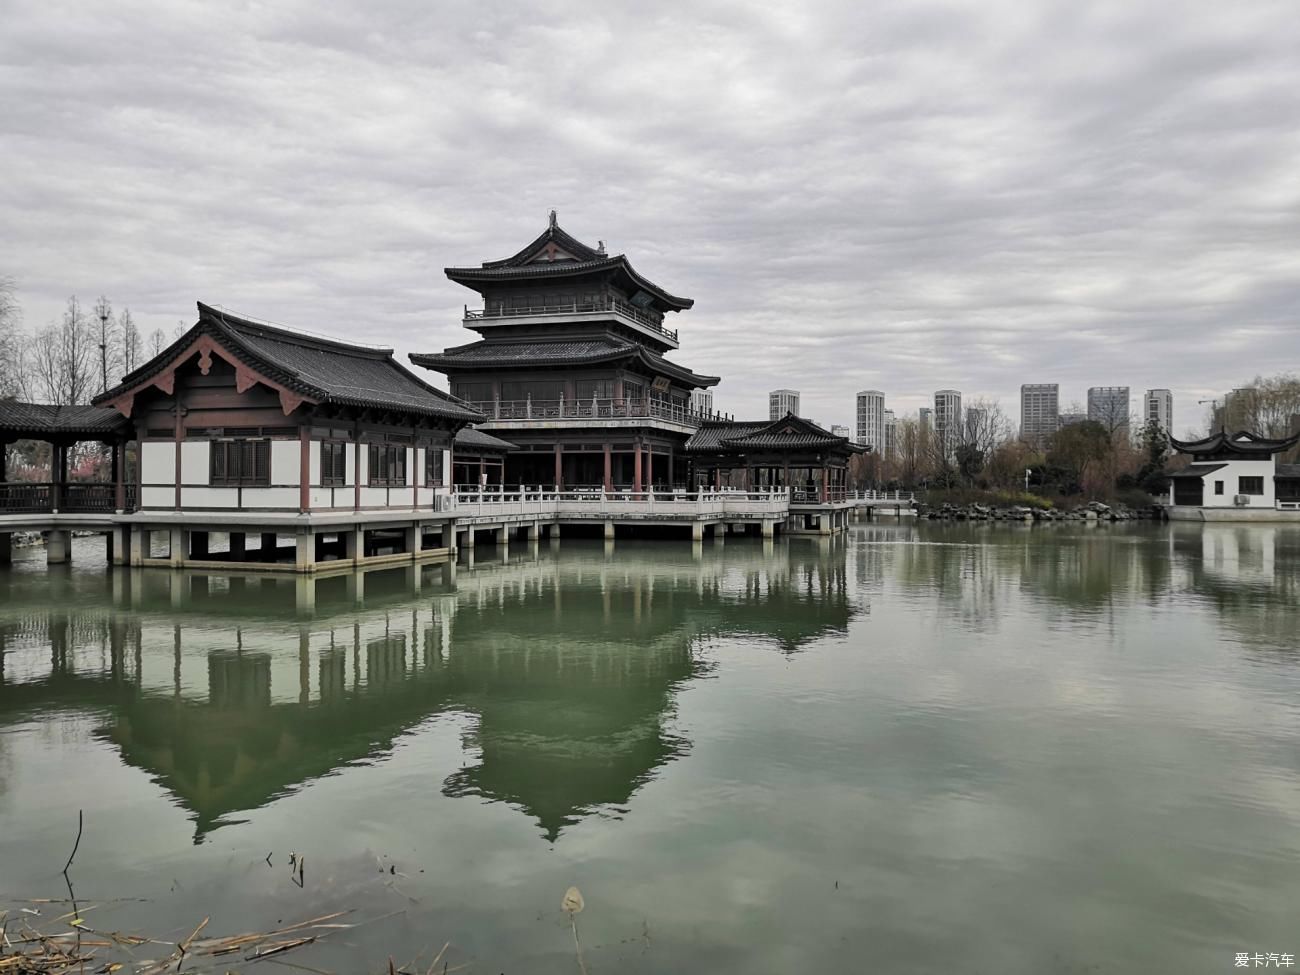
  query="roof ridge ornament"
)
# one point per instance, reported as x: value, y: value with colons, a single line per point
x: 553, y: 219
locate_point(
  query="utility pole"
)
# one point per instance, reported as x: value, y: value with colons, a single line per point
x: 103, y: 350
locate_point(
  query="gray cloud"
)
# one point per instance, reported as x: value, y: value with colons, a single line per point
x: 904, y: 197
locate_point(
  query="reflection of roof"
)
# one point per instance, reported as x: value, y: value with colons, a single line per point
x: 790, y: 432
x: 1242, y: 443
x: 494, y: 355
x: 1197, y: 470
x: 322, y: 369
x: 471, y: 439
x: 40, y: 419
x: 557, y: 254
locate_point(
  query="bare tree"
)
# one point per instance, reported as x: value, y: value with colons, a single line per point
x: 63, y: 361
x: 129, y: 336
x: 11, y: 345
x: 157, y: 341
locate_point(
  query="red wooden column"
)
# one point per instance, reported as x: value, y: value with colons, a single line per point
x: 304, y: 468
x: 559, y: 467
x: 119, y: 480
x: 180, y: 435
x: 356, y: 474
x: 670, y: 472
x: 609, y: 469
x: 636, y: 466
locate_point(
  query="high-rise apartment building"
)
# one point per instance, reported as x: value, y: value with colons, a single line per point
x: 839, y: 430
x: 702, y: 400
x: 976, y: 419
x: 871, y: 419
x: 891, y: 434
x: 782, y: 401
x: 1109, y: 406
x: 1158, y: 408
x: 948, y: 419
x: 925, y: 416
x: 1040, y: 405
x: 1070, y: 419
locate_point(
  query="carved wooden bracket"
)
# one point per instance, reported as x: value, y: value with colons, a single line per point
x: 289, y: 401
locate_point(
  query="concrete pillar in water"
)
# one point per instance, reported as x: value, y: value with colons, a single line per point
x: 305, y: 554
x: 176, y: 547
x: 531, y: 531
x: 449, y: 535
x: 609, y: 529
x: 697, y: 531
x: 414, y: 541
x: 141, y: 540
x: 554, y: 531
x: 120, y: 545
x: 57, y: 545
x: 502, y: 536
x: 354, y: 544
x: 469, y: 538
x: 769, y: 528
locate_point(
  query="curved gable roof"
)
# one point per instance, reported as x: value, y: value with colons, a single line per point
x: 305, y: 366
x: 555, y: 253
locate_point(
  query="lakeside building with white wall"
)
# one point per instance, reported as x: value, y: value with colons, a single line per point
x: 1235, y: 477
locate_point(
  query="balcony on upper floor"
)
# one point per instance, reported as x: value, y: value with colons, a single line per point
x: 595, y: 309
x: 602, y: 412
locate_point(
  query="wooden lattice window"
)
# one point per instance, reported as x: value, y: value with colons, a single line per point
x: 333, y: 463
x: 239, y: 463
x: 433, y: 467
x: 387, y: 465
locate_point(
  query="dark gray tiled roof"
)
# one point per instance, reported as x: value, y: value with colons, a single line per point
x: 788, y: 433
x: 322, y: 369
x: 532, y: 353
x: 488, y: 354
x: 1198, y: 470
x: 709, y: 437
x: 1241, y: 442
x: 516, y: 267
x: 1287, y: 470
x: 473, y: 439
x: 37, y: 418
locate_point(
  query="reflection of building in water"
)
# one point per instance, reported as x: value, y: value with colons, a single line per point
x: 568, y: 668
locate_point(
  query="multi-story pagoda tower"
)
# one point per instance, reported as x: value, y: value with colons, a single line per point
x: 571, y: 367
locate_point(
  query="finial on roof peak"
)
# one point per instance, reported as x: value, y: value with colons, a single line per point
x: 552, y: 219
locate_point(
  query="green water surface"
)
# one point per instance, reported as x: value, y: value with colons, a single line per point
x: 917, y: 748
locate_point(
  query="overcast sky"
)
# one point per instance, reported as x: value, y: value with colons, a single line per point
x: 902, y: 196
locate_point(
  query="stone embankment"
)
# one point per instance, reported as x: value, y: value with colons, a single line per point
x: 1092, y: 511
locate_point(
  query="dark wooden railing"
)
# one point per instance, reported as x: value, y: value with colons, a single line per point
x: 595, y: 408
x: 89, y: 498
x: 25, y: 497
x: 76, y: 497
x: 649, y: 318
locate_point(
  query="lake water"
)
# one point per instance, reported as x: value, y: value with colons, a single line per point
x: 918, y: 748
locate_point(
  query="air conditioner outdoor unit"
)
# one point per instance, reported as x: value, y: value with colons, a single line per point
x: 1241, y: 499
